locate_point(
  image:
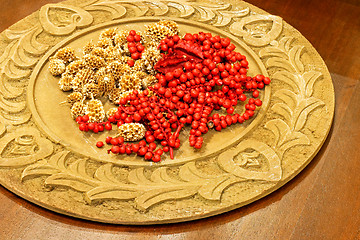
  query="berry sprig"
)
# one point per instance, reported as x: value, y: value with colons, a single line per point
x: 197, y: 74
x: 135, y: 47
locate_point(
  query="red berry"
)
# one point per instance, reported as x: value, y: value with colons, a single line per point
x: 99, y: 144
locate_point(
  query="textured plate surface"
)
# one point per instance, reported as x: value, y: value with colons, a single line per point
x: 46, y: 160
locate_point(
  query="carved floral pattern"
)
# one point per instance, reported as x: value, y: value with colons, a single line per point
x: 248, y: 160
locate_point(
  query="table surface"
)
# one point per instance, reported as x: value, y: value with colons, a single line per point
x: 322, y: 202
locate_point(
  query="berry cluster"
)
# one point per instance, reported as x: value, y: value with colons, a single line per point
x: 135, y: 47
x: 197, y: 74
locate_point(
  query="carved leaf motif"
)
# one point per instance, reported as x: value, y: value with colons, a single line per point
x: 74, y: 177
x: 79, y: 19
x: 283, y: 110
x: 105, y: 174
x: 118, y: 8
x: 289, y: 78
x: 156, y: 196
x: 10, y: 106
x: 227, y: 163
x: 23, y: 147
x: 208, y: 12
x: 54, y: 165
x: 190, y: 173
x: 288, y: 97
x: 15, y: 119
x: 214, y: 189
x: 161, y: 176
x: 184, y: 9
x: 2, y: 128
x: 294, y: 57
x: 38, y: 169
x: 303, y: 110
x: 225, y: 16
x: 285, y: 138
x: 310, y: 78
x: 121, y: 192
x: 117, y: 11
x: 137, y: 176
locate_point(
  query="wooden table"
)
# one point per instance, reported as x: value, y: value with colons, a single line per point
x: 322, y: 202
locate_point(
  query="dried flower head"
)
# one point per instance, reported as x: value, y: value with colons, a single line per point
x: 65, y: 82
x: 93, y: 61
x: 91, y: 90
x: 56, y: 66
x: 75, y: 67
x: 66, y: 54
x: 132, y: 131
x: 130, y: 82
x: 111, y: 112
x: 95, y: 110
x: 118, y: 69
x: 74, y: 97
x: 77, y: 109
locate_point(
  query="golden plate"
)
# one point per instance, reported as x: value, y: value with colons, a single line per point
x: 48, y: 161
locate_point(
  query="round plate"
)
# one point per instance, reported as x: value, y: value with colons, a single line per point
x: 48, y: 161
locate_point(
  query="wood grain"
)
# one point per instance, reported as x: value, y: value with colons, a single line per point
x: 320, y: 203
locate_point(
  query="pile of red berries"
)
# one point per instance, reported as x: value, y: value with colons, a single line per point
x: 197, y: 74
x: 135, y: 47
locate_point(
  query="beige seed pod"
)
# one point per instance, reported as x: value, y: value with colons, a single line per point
x: 65, y: 82
x: 174, y: 28
x: 106, y: 83
x: 88, y: 47
x: 94, y: 62
x: 77, y: 84
x: 108, y: 33
x: 90, y: 90
x: 149, y: 81
x: 74, y: 97
x: 77, y: 109
x: 118, y: 69
x: 104, y: 42
x: 66, y: 54
x: 130, y: 82
x: 151, y: 56
x: 99, y: 52
x: 75, y: 67
x: 157, y: 32
x: 86, y: 75
x: 111, y: 112
x: 120, y: 38
x: 116, y: 94
x: 132, y: 131
x: 95, y: 110
x: 124, y: 59
x: 56, y: 66
x: 139, y: 65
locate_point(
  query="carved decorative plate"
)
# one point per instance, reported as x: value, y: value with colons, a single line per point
x: 46, y: 160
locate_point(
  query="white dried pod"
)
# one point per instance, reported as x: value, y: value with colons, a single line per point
x: 132, y: 131
x: 116, y: 94
x: 65, y: 82
x: 93, y: 61
x: 111, y: 112
x: 130, y: 82
x: 120, y: 38
x: 149, y: 81
x: 106, y: 83
x: 56, y: 66
x: 66, y: 54
x: 108, y: 33
x: 75, y: 66
x: 88, y: 47
x: 91, y: 90
x: 77, y: 109
x: 74, y: 97
x: 95, y: 110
